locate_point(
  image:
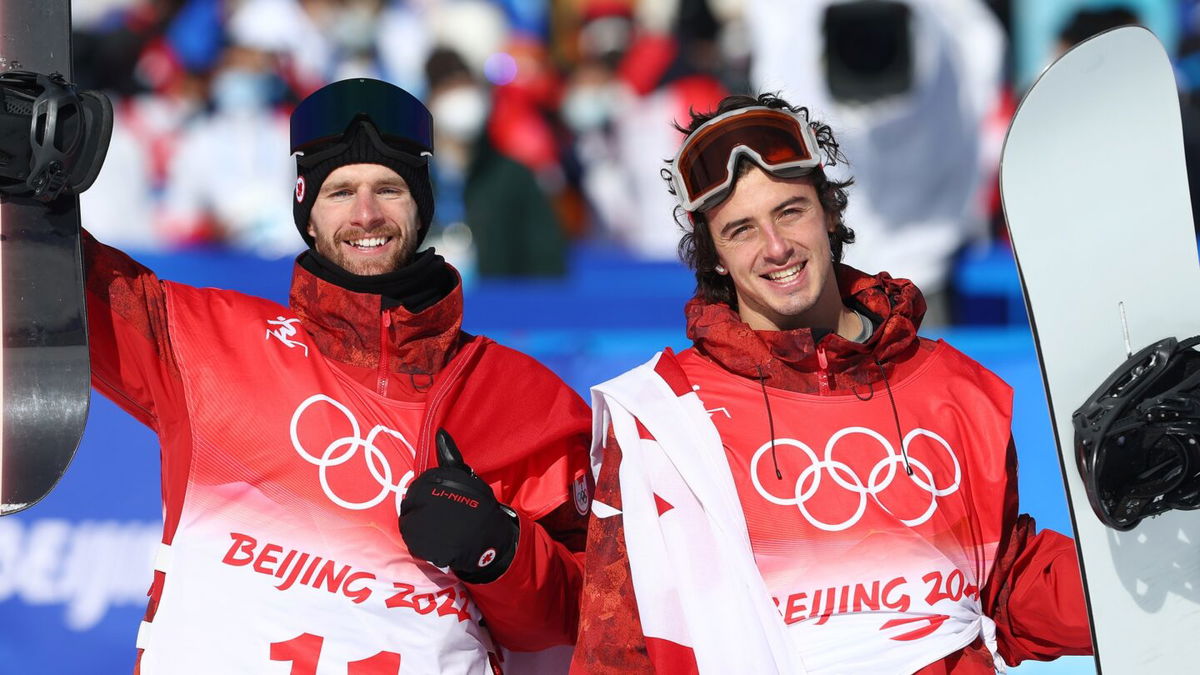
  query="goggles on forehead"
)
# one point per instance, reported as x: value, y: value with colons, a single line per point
x: 777, y: 140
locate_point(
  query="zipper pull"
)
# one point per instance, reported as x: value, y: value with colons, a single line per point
x: 823, y: 373
x: 385, y: 322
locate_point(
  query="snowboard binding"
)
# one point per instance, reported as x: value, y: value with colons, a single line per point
x: 1137, y: 438
x: 53, y: 138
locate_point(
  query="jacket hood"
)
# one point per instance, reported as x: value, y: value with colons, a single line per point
x: 809, y: 361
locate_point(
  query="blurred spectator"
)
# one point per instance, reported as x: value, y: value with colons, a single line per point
x: 911, y: 86
x: 156, y: 118
x: 530, y: 17
x: 110, y: 38
x: 91, y: 15
x: 119, y: 207
x: 592, y: 100
x: 403, y: 41
x: 125, y: 48
x: 231, y: 171
x: 474, y: 29
x: 526, y: 85
x: 319, y: 41
x: 601, y: 113
x: 514, y: 230
x: 1085, y: 23
x: 196, y: 34
x: 1037, y: 26
x: 525, y: 97
x: 300, y: 32
x: 631, y: 86
x: 352, y: 28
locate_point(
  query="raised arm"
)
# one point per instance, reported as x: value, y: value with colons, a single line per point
x: 132, y: 362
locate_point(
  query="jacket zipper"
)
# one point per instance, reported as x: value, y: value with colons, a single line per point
x: 382, y: 382
x: 823, y: 372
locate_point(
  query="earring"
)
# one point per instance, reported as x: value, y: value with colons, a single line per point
x: 719, y: 269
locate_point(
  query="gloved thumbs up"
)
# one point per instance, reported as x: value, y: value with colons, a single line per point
x: 448, y: 454
x: 451, y: 518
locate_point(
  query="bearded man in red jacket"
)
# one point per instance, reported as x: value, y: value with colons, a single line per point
x: 294, y: 437
x: 812, y: 487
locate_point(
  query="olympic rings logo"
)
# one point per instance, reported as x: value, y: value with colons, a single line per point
x: 344, y: 449
x: 878, y: 479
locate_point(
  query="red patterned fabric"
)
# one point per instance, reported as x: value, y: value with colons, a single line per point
x: 402, y: 348
x: 789, y: 359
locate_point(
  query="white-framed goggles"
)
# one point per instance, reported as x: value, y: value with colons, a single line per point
x: 776, y: 139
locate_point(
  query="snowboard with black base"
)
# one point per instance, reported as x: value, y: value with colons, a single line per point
x: 52, y: 142
x: 1095, y: 193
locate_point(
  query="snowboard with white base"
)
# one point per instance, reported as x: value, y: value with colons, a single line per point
x: 1095, y: 193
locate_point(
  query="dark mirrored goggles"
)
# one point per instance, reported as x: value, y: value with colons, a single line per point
x: 779, y: 141
x: 403, y: 153
x: 396, y: 114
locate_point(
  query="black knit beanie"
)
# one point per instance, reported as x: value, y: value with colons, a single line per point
x: 359, y: 150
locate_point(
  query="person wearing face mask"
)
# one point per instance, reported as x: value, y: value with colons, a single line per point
x: 227, y: 164
x: 593, y: 97
x: 514, y: 229
x: 348, y: 481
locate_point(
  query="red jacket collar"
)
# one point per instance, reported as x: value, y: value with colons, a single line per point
x: 790, y: 360
x: 353, y: 328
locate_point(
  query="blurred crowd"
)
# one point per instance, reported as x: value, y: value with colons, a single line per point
x: 553, y: 118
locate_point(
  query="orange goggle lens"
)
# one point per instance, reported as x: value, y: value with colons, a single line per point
x: 779, y: 141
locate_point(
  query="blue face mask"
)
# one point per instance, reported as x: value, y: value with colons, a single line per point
x: 589, y: 107
x: 237, y: 90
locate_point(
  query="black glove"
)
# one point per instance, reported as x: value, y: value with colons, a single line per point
x: 451, y: 518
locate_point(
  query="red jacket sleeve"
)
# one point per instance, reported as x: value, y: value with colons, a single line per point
x: 1035, y: 594
x: 132, y: 362
x: 535, y: 603
x: 527, y: 434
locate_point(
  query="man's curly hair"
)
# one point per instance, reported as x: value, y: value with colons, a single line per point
x: 696, y: 248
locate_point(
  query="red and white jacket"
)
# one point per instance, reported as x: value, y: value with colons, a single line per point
x: 862, y: 497
x: 289, y: 436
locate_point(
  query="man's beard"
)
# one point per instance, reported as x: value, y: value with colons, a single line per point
x: 338, y: 253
